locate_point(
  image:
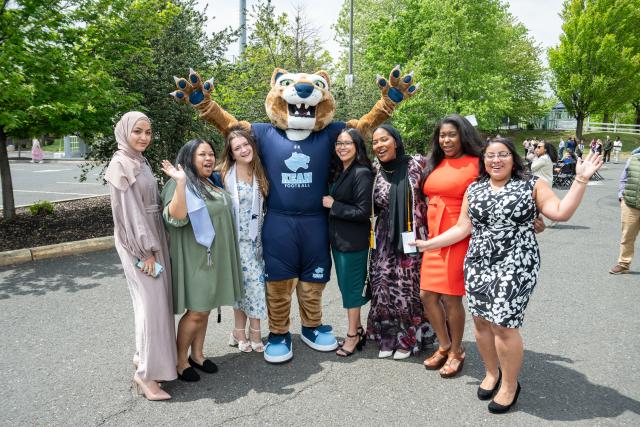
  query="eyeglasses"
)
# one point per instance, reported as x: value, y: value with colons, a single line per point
x: 501, y: 155
x: 344, y: 144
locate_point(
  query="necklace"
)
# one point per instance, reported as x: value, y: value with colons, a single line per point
x: 387, y: 171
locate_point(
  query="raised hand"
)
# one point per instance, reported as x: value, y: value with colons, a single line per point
x: 397, y: 89
x: 192, y: 90
x: 587, y: 167
x: 177, y: 173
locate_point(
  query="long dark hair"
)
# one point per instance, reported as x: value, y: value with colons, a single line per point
x: 470, y: 141
x: 361, y: 154
x: 518, y: 171
x: 185, y: 158
x: 550, y: 149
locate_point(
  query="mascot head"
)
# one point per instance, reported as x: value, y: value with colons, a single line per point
x: 300, y: 103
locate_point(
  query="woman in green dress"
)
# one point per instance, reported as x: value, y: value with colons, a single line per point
x: 205, y: 258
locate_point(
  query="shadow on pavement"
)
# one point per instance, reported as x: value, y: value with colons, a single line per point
x: 553, y: 391
x: 71, y: 274
x: 240, y: 374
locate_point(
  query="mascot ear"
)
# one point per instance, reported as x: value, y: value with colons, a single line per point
x: 325, y: 76
x: 277, y: 73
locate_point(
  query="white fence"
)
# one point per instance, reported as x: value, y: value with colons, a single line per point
x: 611, y: 127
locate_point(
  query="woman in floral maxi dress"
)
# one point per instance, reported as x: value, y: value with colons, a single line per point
x: 396, y: 319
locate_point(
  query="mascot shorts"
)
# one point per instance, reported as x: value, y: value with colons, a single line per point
x: 296, y: 246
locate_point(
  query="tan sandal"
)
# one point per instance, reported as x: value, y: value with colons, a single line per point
x: 436, y: 360
x: 447, y: 370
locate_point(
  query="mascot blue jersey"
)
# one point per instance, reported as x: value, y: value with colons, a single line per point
x: 298, y: 171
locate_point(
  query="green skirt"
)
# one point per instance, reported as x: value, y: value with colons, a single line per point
x: 351, y: 269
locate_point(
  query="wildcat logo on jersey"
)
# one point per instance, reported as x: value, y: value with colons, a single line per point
x: 318, y: 273
x: 297, y: 179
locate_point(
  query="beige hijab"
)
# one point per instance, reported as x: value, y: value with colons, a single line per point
x: 126, y: 162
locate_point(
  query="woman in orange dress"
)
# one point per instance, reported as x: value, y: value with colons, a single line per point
x: 451, y: 167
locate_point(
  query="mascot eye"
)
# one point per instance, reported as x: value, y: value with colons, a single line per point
x: 286, y: 82
x: 320, y: 84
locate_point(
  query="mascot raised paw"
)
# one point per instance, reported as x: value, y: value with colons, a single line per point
x: 295, y: 149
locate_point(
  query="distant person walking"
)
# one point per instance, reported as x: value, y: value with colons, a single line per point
x: 617, y: 148
x: 580, y: 149
x: 608, y: 146
x: 629, y: 197
x: 571, y: 144
x: 561, y: 147
x: 36, y: 152
x: 141, y: 244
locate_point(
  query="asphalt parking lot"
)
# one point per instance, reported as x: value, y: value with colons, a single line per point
x: 68, y: 340
x: 52, y: 181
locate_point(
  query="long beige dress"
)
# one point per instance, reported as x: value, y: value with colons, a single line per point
x: 139, y: 233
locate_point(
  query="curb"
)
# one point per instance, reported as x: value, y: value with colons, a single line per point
x: 20, y: 256
x: 53, y: 202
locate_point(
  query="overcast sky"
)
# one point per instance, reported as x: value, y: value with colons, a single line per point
x: 539, y: 16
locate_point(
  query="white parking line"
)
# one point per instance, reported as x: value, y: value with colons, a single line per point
x: 52, y: 192
x: 51, y: 170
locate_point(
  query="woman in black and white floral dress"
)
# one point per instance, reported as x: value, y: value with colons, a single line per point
x: 502, y: 263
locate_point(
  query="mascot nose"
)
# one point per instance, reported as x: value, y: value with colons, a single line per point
x: 304, y: 89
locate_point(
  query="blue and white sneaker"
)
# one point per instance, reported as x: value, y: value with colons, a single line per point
x: 320, y: 338
x: 279, y: 348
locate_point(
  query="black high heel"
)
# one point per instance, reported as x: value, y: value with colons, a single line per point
x: 362, y: 341
x: 346, y: 353
x: 496, y: 408
x: 484, y: 394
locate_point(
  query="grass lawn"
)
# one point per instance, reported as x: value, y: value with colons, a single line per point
x: 629, y: 142
x: 58, y: 145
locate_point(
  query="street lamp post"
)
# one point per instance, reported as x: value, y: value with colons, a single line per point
x: 349, y: 77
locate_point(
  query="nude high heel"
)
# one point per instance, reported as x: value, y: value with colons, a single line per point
x: 243, y: 346
x: 143, y: 388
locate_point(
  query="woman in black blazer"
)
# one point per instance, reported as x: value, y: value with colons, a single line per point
x: 349, y: 201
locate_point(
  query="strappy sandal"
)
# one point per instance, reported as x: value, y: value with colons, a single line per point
x: 447, y: 371
x: 243, y: 346
x: 342, y: 352
x: 436, y: 360
x: 363, y: 338
x: 257, y: 346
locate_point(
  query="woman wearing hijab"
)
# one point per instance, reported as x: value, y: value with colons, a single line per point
x: 396, y: 319
x: 142, y: 246
x: 37, y: 155
x: 204, y: 251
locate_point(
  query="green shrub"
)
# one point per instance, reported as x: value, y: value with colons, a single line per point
x: 41, y: 207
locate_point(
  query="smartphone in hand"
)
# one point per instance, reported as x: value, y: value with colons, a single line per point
x: 158, y: 269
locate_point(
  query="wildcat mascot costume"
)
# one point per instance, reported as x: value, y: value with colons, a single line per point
x: 296, y: 149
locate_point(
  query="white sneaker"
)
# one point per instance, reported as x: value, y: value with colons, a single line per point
x: 399, y: 355
x: 384, y: 354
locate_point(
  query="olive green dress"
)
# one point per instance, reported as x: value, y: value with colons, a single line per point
x: 196, y: 285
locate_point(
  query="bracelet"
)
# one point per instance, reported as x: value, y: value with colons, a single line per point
x: 580, y: 180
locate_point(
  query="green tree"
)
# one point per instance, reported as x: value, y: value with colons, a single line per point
x: 274, y: 41
x: 146, y: 42
x: 470, y: 57
x: 48, y: 87
x: 596, y: 62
